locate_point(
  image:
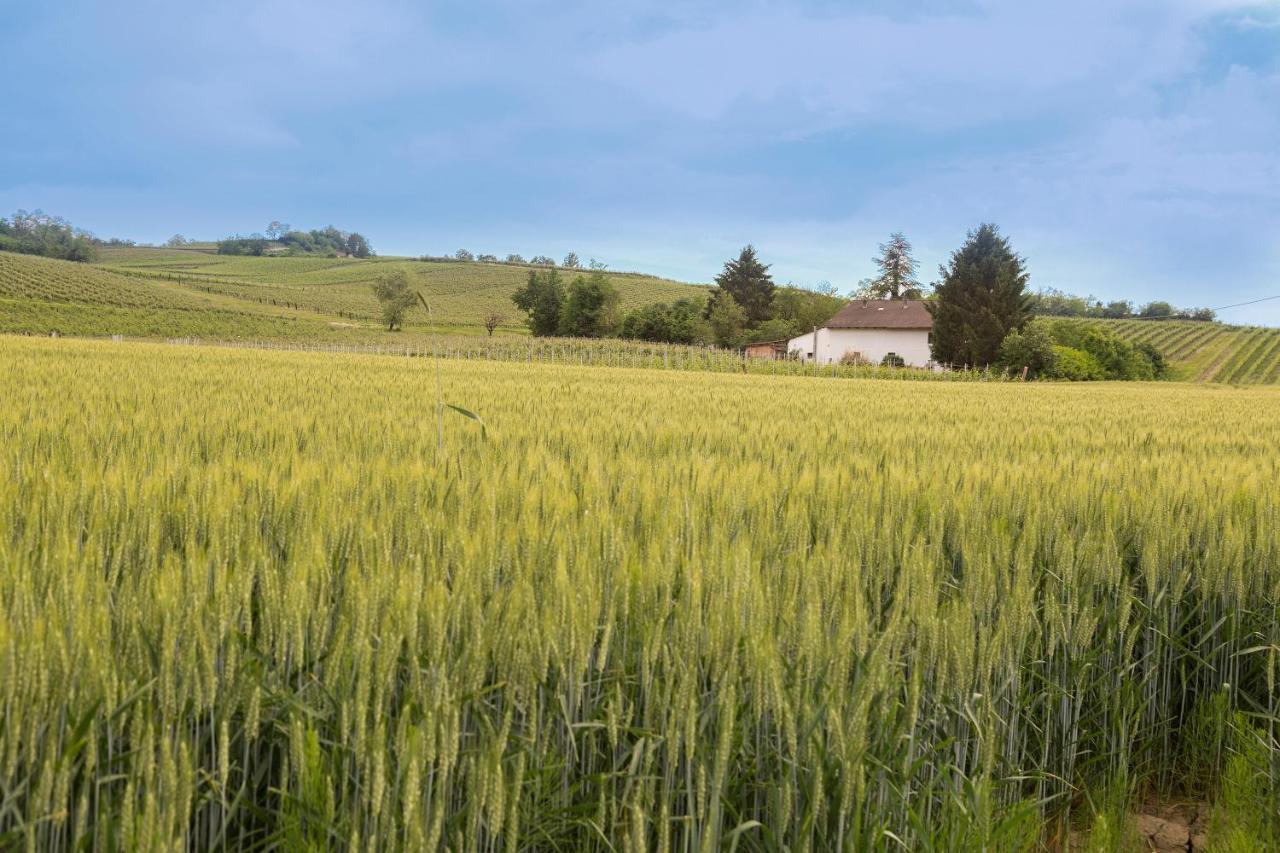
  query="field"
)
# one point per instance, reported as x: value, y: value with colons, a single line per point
x: 262, y: 600
x: 326, y: 302
x: 461, y: 294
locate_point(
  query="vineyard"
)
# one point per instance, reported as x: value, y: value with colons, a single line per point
x: 263, y: 600
x: 1210, y: 352
x: 326, y: 302
x: 460, y: 293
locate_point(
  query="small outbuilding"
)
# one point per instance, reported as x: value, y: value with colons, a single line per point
x: 870, y: 330
x: 767, y: 350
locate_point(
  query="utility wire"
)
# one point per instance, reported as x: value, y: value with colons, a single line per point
x: 1183, y: 316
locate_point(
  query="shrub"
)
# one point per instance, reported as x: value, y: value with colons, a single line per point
x: 1075, y: 365
x: 1031, y: 349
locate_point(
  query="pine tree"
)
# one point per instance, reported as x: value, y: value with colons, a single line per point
x: 897, y: 279
x: 749, y: 283
x: 983, y: 296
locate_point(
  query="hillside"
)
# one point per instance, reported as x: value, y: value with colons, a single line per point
x: 192, y: 292
x: 461, y: 294
x: 1208, y: 352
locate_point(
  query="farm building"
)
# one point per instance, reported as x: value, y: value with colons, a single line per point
x: 869, y: 330
x: 768, y: 350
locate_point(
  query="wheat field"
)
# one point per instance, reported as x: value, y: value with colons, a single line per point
x: 286, y: 600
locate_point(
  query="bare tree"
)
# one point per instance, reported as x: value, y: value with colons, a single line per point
x: 277, y: 229
x: 493, y: 321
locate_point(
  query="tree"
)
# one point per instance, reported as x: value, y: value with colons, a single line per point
x: 897, y: 279
x: 176, y: 241
x: 542, y: 261
x: 492, y: 321
x: 749, y: 283
x: 571, y: 261
x: 678, y: 323
x: 726, y: 319
x: 254, y: 244
x: 277, y: 229
x: 394, y: 295
x: 513, y: 258
x: 1030, y: 349
x: 981, y: 299
x: 1157, y: 309
x: 358, y: 246
x: 541, y: 298
x: 1118, y: 309
x: 590, y: 309
x: 463, y: 255
x: 487, y: 259
x: 803, y: 309
x: 38, y: 233
x: 597, y: 265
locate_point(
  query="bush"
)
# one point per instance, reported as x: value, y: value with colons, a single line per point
x: 1159, y: 366
x: 678, y: 323
x: 892, y: 359
x: 1114, y: 357
x: 1031, y: 349
x: 1075, y: 365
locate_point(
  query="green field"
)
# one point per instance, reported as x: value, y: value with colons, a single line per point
x: 284, y: 600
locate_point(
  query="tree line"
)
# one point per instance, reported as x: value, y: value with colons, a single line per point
x: 38, y: 233
x: 744, y: 305
x: 328, y: 241
x: 571, y: 261
x: 1055, y: 303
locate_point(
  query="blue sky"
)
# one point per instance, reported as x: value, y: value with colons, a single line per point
x: 1129, y: 148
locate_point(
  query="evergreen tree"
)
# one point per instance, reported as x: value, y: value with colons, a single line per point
x: 749, y: 283
x: 897, y: 279
x: 726, y: 319
x: 541, y: 298
x: 983, y: 296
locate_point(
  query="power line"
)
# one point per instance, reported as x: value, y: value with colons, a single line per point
x: 1251, y: 302
x: 1183, y: 315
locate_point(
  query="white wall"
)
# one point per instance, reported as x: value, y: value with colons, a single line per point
x: 874, y: 344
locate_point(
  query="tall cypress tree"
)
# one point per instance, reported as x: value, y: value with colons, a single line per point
x: 983, y: 296
x: 749, y: 283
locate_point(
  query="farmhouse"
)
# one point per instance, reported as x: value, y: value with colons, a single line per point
x: 868, y: 330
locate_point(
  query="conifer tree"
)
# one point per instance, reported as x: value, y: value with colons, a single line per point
x: 983, y: 296
x: 748, y: 281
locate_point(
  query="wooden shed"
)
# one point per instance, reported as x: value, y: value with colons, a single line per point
x: 768, y: 350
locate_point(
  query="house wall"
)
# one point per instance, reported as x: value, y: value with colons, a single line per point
x: 874, y: 344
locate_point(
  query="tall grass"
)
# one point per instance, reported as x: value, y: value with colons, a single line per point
x: 244, y: 604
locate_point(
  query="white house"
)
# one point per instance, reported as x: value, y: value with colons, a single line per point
x: 871, y: 329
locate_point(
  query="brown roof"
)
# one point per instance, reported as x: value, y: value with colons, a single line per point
x: 882, y: 314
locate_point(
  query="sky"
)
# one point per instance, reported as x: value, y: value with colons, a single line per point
x: 1128, y: 148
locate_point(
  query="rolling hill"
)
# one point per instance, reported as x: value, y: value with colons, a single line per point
x: 461, y: 293
x: 177, y: 293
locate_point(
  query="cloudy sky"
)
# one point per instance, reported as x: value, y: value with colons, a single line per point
x: 1130, y: 148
